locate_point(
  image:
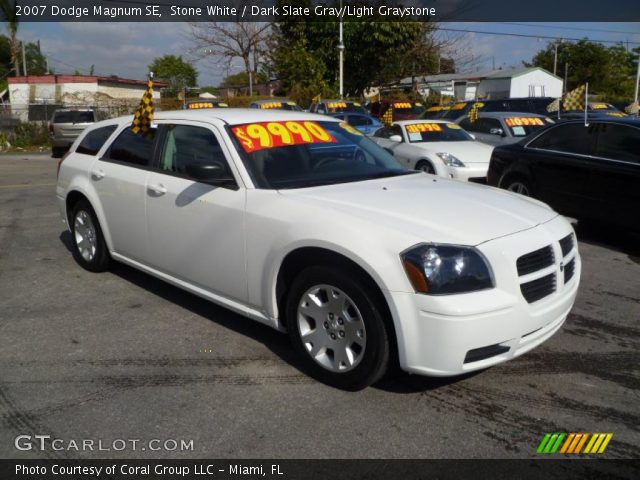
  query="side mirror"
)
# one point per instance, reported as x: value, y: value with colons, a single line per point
x: 472, y: 136
x: 213, y: 172
x: 395, y: 138
x: 496, y: 131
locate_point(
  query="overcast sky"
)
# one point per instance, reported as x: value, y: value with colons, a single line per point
x: 126, y: 49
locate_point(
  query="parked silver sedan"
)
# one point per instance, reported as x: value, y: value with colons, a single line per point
x: 503, y: 128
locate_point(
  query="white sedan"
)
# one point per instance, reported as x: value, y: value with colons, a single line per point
x: 302, y: 223
x: 436, y: 146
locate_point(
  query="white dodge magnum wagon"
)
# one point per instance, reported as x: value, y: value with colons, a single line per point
x: 298, y: 221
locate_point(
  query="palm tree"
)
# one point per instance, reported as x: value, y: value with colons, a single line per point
x: 8, y: 13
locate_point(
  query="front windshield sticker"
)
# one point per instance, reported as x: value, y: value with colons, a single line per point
x: 516, y: 121
x: 519, y: 131
x: 453, y: 126
x: 198, y: 105
x: 423, y: 127
x: 350, y: 129
x: 259, y: 136
x: 415, y: 137
x: 272, y: 105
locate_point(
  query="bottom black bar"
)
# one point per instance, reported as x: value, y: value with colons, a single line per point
x: 271, y: 469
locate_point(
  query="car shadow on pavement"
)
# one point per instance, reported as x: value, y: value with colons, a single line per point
x: 610, y: 237
x: 396, y: 380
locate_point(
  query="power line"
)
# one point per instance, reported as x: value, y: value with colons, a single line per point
x: 563, y: 27
x: 483, y: 32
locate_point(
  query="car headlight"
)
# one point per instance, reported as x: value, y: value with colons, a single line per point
x: 450, y: 160
x: 446, y: 269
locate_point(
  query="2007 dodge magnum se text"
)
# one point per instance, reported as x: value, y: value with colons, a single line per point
x: 298, y: 221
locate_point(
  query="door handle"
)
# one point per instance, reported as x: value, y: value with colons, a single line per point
x: 158, y: 189
x: 97, y: 174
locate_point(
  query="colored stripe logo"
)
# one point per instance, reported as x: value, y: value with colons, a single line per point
x: 574, y: 443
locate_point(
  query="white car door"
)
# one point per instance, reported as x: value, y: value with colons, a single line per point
x: 119, y: 178
x: 196, y: 230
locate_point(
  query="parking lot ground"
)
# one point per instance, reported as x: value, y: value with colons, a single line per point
x: 122, y: 355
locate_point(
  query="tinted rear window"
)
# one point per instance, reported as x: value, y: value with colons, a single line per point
x: 74, y: 117
x: 94, y: 140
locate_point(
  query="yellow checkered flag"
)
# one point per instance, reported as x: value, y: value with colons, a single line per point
x: 473, y: 113
x: 554, y: 106
x: 144, y: 114
x: 574, y: 100
x: 316, y: 99
x: 632, y: 109
x: 387, y: 118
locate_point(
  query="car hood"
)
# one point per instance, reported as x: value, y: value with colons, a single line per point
x: 428, y: 207
x: 472, y: 152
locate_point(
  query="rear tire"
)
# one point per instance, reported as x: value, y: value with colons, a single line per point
x: 337, y: 328
x: 89, y: 248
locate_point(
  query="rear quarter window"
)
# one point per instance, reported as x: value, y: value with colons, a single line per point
x: 94, y: 140
x: 131, y: 148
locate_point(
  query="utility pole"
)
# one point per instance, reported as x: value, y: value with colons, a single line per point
x: 635, y: 97
x: 24, y: 60
x: 341, y: 59
x: 555, y: 55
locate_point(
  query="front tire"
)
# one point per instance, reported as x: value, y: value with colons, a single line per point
x: 518, y: 184
x: 337, y: 328
x: 89, y: 247
x: 424, y: 166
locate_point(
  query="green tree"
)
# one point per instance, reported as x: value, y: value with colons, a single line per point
x: 36, y: 62
x: 242, y: 79
x: 609, y: 70
x: 8, y: 12
x: 175, y: 71
x: 376, y: 52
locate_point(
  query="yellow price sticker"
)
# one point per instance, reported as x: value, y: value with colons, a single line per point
x: 259, y: 136
x: 350, y: 129
x: 423, y: 127
x: 198, y: 105
x: 269, y: 105
x: 523, y: 121
x: 402, y: 105
x: 453, y: 126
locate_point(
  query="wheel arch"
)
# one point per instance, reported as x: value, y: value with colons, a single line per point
x: 303, y: 257
x: 73, y: 196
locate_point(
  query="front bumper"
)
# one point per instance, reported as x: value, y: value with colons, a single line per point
x: 454, y: 334
x: 471, y: 171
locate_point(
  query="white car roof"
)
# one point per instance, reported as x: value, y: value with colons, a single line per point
x: 234, y: 116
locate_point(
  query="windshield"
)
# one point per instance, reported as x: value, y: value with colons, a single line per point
x: 436, y: 132
x: 338, y: 107
x: 523, y: 126
x: 279, y: 106
x: 298, y: 154
x: 408, y: 108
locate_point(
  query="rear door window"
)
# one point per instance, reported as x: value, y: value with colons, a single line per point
x: 131, y: 148
x: 619, y: 142
x: 187, y: 145
x: 94, y: 140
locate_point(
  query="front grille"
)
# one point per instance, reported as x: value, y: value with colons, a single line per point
x: 569, y: 270
x: 537, y: 289
x: 534, y: 261
x: 483, y: 353
x: 566, y: 244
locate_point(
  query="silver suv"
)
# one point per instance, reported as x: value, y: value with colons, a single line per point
x: 66, y: 125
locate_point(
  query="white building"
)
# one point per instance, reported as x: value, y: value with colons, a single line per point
x: 493, y: 84
x: 34, y: 97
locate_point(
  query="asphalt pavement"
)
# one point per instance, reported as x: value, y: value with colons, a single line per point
x: 124, y: 356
